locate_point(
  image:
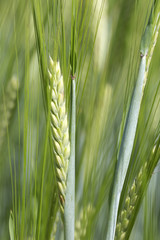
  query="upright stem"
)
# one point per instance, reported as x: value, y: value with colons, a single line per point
x: 69, y: 210
x: 126, y: 148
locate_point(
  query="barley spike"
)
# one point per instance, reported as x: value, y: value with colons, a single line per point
x: 59, y: 129
x: 8, y: 103
x: 130, y: 202
x: 82, y: 224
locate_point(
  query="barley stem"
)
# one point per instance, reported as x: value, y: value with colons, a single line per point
x: 126, y: 148
x: 147, y: 47
x: 69, y: 212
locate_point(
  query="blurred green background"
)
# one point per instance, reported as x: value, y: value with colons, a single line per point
x: 108, y: 35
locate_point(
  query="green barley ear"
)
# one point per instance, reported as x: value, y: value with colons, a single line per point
x: 82, y: 224
x: 60, y: 129
x: 128, y: 213
x: 8, y: 104
x: 130, y: 203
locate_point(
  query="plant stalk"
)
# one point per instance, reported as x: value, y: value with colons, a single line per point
x: 126, y: 148
x: 69, y: 210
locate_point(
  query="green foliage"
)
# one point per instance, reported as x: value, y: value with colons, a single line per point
x: 98, y: 45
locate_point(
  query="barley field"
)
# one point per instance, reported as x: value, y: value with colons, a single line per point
x: 79, y: 120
